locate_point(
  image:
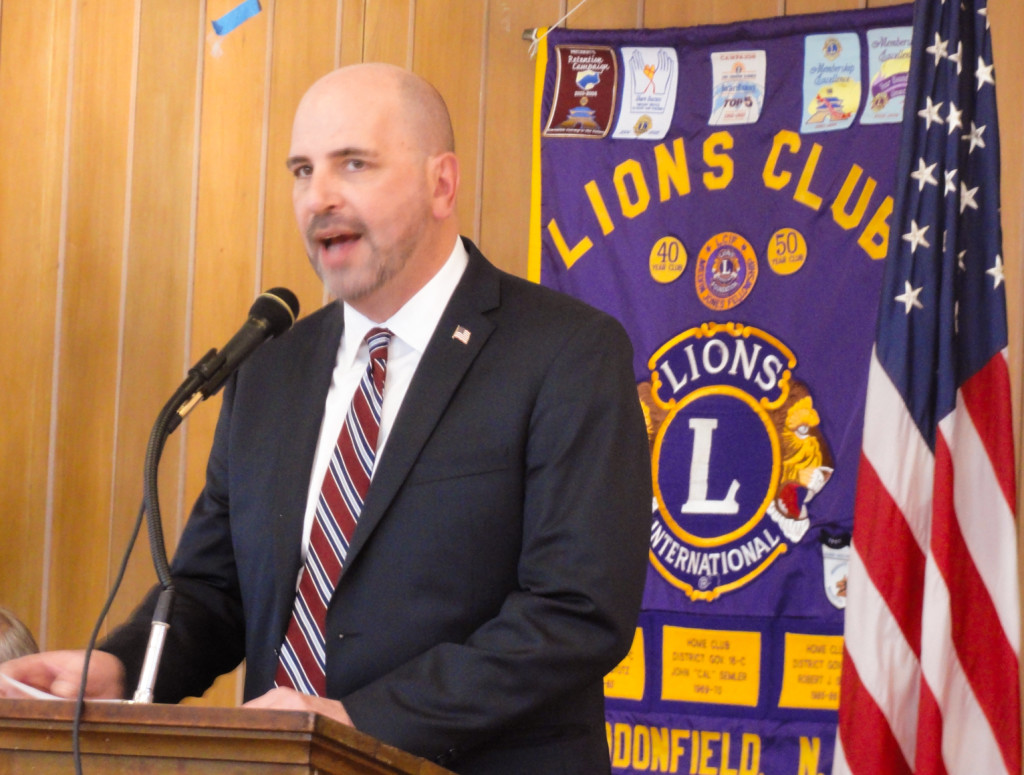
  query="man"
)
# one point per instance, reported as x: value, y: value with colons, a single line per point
x: 495, y: 571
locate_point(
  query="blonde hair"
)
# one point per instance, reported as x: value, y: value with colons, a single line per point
x: 15, y: 638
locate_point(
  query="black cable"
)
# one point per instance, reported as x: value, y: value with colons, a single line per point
x: 76, y: 750
x: 166, y: 423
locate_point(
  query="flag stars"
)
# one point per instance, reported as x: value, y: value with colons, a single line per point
x: 996, y: 272
x: 909, y: 298
x: 958, y: 57
x: 950, y: 185
x: 930, y: 112
x: 974, y: 136
x: 938, y: 50
x: 953, y: 118
x: 916, y: 236
x: 984, y: 12
x: 967, y: 198
x: 984, y: 74
x: 924, y: 174
x: 960, y: 260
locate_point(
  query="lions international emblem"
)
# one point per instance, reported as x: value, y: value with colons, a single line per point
x: 726, y: 271
x: 738, y: 454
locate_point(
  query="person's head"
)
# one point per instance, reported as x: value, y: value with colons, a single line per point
x: 375, y: 182
x: 15, y: 639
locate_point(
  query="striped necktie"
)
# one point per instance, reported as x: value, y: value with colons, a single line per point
x: 302, y: 662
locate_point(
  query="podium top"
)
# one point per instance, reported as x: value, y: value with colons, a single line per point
x: 185, y: 739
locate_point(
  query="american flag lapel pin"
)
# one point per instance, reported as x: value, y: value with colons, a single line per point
x: 462, y: 334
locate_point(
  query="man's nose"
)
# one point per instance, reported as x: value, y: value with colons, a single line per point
x: 323, y: 194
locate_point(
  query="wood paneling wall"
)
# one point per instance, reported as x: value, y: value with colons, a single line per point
x: 144, y: 202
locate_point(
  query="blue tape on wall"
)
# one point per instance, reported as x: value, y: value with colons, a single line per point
x: 236, y: 16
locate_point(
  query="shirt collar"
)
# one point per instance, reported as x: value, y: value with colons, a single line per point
x: 415, y: 321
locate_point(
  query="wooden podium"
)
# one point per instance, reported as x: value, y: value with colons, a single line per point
x: 129, y: 739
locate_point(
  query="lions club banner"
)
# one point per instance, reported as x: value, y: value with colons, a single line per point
x: 726, y: 193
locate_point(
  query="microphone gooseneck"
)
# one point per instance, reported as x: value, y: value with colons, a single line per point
x: 272, y: 314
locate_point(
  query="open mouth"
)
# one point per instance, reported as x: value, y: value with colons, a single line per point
x: 335, y: 249
x: 337, y: 239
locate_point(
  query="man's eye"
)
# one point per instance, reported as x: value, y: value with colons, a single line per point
x: 355, y: 164
x: 302, y: 171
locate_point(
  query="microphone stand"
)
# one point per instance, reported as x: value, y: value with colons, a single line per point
x: 192, y: 391
x: 272, y: 313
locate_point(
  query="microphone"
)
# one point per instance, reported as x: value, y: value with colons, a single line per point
x: 270, y: 315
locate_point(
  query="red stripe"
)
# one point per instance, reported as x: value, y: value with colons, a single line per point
x: 986, y: 655
x: 368, y: 423
x: 987, y: 398
x: 337, y: 506
x: 868, y: 743
x: 350, y: 460
x: 308, y: 591
x: 928, y: 757
x: 281, y: 678
x: 304, y: 654
x: 890, y: 553
x: 325, y: 553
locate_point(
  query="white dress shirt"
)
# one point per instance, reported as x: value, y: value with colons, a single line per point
x: 411, y: 328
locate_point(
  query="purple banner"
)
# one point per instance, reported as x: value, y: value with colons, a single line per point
x: 726, y: 193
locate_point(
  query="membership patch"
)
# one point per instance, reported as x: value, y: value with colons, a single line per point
x: 726, y: 271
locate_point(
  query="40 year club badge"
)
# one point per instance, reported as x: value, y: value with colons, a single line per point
x: 738, y: 453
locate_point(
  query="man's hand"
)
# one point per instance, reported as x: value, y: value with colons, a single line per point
x: 60, y: 674
x: 289, y: 699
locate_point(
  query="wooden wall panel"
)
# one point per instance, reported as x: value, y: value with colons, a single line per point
x: 228, y: 217
x: 90, y: 316
x: 598, y: 14
x: 387, y: 34
x: 671, y: 13
x: 460, y: 80
x: 157, y: 274
x: 294, y: 68
x: 352, y: 24
x: 34, y: 50
x: 1007, y: 30
x: 507, y: 122
x: 820, y: 6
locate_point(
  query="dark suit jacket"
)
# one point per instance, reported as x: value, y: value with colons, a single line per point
x: 496, y: 572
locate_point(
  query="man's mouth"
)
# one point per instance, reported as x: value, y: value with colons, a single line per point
x: 332, y: 237
x: 337, y: 239
x: 334, y: 249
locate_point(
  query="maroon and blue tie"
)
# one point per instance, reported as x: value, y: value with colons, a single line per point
x: 302, y: 662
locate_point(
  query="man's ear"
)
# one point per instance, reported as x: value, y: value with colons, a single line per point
x: 444, y: 179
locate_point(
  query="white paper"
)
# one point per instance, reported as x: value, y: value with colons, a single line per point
x: 30, y: 691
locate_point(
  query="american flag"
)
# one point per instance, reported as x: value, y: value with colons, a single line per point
x: 930, y: 681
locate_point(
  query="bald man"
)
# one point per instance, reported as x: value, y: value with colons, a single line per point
x: 495, y: 570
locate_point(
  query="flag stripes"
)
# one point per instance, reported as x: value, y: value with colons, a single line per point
x: 934, y: 553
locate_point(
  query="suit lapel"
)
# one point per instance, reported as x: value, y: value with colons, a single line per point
x: 443, y: 366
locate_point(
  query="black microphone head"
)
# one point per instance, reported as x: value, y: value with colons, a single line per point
x: 278, y: 307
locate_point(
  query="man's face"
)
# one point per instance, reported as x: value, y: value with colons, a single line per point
x: 361, y: 193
